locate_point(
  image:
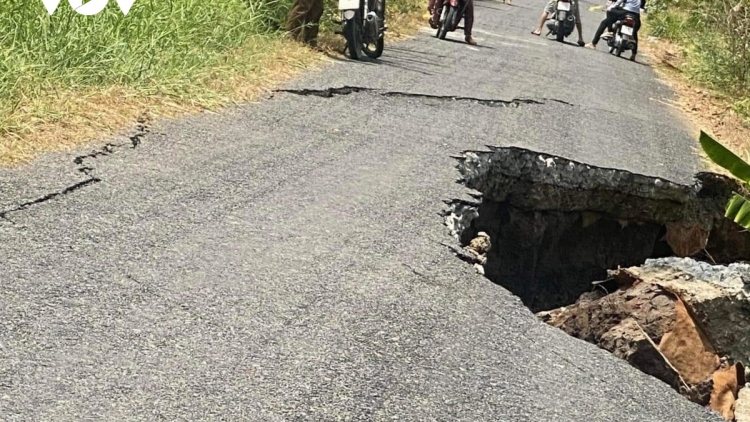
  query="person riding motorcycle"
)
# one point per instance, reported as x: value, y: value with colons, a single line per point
x: 549, y: 9
x: 610, y: 29
x: 435, y: 6
x: 617, y: 11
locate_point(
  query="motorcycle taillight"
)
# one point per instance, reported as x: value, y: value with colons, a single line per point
x: 628, y: 22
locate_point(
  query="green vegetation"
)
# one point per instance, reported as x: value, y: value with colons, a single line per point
x: 76, y: 72
x: 161, y: 46
x: 738, y: 207
x: 715, y: 36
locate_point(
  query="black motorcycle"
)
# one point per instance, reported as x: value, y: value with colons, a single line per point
x: 364, y: 27
x: 450, y: 15
x: 564, y: 21
x: 622, y: 36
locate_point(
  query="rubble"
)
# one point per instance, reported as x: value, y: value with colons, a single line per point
x: 679, y: 320
x: 558, y: 224
x: 742, y: 406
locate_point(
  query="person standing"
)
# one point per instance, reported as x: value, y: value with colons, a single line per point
x: 304, y: 21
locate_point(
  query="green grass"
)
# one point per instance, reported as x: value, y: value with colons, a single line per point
x: 75, y: 72
x: 168, y: 41
x: 714, y: 36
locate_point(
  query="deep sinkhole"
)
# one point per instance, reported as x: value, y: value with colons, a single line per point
x: 557, y: 225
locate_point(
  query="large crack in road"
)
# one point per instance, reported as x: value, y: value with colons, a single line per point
x: 142, y: 129
x: 281, y: 259
x: 348, y: 90
x: 84, y: 166
x: 559, y: 234
x: 559, y: 224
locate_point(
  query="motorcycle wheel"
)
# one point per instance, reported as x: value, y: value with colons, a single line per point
x: 380, y: 42
x: 448, y: 22
x: 620, y: 48
x: 353, y: 35
x: 560, y: 31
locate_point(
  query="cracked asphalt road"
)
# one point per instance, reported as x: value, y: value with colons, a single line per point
x: 283, y: 260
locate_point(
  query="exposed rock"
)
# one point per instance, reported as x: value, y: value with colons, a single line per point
x: 459, y: 216
x: 543, y: 182
x: 480, y: 244
x: 629, y: 342
x: 687, y: 349
x: 652, y: 307
x: 727, y: 383
x: 742, y: 406
x: 478, y: 248
x: 716, y: 296
x: 686, y: 238
x: 672, y: 318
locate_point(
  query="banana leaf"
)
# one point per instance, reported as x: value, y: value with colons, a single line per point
x: 738, y: 209
x: 725, y: 158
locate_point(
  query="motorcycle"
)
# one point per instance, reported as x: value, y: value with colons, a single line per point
x: 364, y: 27
x: 622, y: 36
x: 563, y: 22
x: 450, y: 15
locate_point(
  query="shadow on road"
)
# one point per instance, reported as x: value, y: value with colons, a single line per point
x: 455, y: 41
x: 423, y: 53
x: 400, y: 58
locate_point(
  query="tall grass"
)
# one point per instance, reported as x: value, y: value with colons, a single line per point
x: 160, y: 46
x: 715, y: 36
x: 85, y: 74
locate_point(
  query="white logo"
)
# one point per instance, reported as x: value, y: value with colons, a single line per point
x: 89, y: 8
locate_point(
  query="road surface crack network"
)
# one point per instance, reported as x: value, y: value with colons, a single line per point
x: 347, y: 90
x: 81, y: 162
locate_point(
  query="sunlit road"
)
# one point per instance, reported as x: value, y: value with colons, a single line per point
x: 283, y: 261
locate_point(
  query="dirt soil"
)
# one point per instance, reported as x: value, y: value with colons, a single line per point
x: 704, y: 109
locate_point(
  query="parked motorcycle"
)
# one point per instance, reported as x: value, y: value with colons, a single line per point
x: 563, y: 22
x: 450, y: 15
x: 364, y: 27
x: 622, y: 36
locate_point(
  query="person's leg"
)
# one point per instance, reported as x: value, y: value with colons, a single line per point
x: 579, y: 25
x: 436, y: 9
x: 549, y: 8
x: 313, y: 22
x: 295, y: 21
x: 431, y: 10
x: 469, y: 22
x: 602, y: 26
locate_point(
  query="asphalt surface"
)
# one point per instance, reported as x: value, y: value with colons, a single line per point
x: 283, y: 260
